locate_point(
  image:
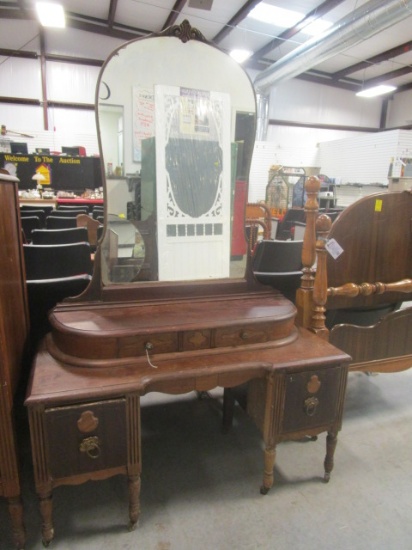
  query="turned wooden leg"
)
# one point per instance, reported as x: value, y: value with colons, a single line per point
x: 16, y: 516
x: 134, y: 501
x: 270, y: 455
x: 331, y: 441
x: 46, y: 511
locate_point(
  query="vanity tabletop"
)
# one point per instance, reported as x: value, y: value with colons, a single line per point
x: 55, y: 382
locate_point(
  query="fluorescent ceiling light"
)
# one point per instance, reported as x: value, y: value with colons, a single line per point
x: 240, y: 55
x: 51, y: 15
x: 376, y: 90
x: 275, y: 16
x: 281, y: 17
x: 318, y: 26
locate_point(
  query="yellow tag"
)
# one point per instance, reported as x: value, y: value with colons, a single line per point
x: 378, y: 205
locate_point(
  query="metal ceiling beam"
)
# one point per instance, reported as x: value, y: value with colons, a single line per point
x: 112, y: 13
x: 236, y: 19
x: 386, y: 77
x: 384, y: 56
x: 174, y: 14
x: 316, y: 13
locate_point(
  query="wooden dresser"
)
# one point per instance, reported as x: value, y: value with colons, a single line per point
x: 14, y: 327
x: 84, y: 410
x: 198, y: 319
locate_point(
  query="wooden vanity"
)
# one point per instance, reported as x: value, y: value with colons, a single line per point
x: 85, y: 421
x: 200, y: 325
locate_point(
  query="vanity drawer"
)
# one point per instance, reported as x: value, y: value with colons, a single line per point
x: 134, y: 346
x: 86, y: 438
x: 312, y: 398
x: 249, y: 334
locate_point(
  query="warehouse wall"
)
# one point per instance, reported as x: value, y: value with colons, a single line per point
x: 297, y: 107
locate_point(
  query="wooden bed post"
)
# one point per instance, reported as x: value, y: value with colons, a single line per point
x: 304, y: 293
x: 320, y: 288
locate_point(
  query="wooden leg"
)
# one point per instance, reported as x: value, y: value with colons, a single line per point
x: 331, y: 441
x: 270, y: 456
x: 134, y: 501
x: 46, y: 511
x: 16, y: 515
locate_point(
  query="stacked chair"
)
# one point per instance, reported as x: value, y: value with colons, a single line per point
x: 53, y: 273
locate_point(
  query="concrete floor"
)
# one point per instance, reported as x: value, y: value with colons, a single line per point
x: 200, y: 488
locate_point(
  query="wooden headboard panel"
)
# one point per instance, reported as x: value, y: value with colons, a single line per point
x: 375, y: 234
x: 373, y: 269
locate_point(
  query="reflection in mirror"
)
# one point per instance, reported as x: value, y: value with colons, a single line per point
x: 176, y: 210
x: 111, y: 126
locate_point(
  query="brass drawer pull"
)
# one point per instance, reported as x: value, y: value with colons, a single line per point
x: 149, y: 347
x: 311, y: 404
x: 90, y: 446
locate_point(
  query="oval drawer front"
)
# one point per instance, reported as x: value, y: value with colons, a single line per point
x: 307, y: 408
x: 72, y: 451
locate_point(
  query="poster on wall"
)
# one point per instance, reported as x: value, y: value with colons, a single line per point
x: 143, y: 119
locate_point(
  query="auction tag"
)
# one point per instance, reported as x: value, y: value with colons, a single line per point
x: 334, y: 248
x: 378, y: 205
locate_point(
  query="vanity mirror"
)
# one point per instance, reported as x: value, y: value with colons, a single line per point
x: 179, y: 117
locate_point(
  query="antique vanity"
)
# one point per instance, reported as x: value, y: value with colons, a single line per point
x: 171, y: 308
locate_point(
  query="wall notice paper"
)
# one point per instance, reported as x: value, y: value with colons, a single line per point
x: 334, y: 248
x: 143, y: 119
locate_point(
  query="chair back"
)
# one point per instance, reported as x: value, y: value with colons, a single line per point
x: 44, y: 294
x: 29, y: 207
x: 60, y: 222
x: 292, y: 216
x: 66, y: 208
x: 60, y: 260
x: 278, y: 256
x: 59, y: 236
x: 70, y: 212
x: 279, y: 264
x: 29, y: 224
x: 97, y: 211
x: 35, y: 212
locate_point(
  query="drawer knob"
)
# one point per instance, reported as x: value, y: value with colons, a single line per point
x: 91, y: 446
x: 245, y: 335
x: 311, y: 404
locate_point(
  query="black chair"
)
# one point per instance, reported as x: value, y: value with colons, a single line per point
x: 35, y: 212
x: 60, y: 222
x: 30, y: 207
x: 53, y: 273
x: 85, y: 208
x: 97, y: 211
x: 279, y: 264
x: 292, y: 216
x: 29, y: 224
x: 44, y: 294
x: 69, y: 213
x: 59, y: 236
x: 54, y: 261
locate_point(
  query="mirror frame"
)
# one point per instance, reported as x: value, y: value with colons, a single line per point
x: 161, y: 290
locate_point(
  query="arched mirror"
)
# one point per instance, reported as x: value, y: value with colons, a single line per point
x: 176, y: 123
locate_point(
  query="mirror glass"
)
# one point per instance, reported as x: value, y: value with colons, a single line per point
x: 176, y: 122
